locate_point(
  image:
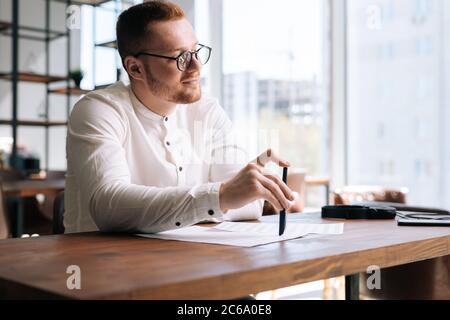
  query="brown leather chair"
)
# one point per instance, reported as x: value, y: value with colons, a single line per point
x: 34, y: 221
x: 58, y: 214
x: 352, y: 194
x: 46, y: 206
x: 420, y: 280
x: 9, y: 206
x: 4, y: 221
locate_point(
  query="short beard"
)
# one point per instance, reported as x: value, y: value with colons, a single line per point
x: 163, y: 91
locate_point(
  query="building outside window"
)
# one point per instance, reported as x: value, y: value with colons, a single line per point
x: 398, y: 78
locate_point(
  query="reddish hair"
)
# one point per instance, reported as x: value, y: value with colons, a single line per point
x: 133, y: 25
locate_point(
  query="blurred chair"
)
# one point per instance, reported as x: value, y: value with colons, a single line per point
x: 58, y: 214
x: 4, y: 220
x: 46, y: 202
x: 35, y: 221
x: 11, y: 204
x: 351, y: 194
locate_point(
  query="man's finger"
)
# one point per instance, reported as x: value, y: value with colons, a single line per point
x: 268, y: 196
x: 276, y: 192
x: 270, y: 156
x: 286, y: 190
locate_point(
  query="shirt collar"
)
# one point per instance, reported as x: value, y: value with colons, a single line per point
x: 144, y: 111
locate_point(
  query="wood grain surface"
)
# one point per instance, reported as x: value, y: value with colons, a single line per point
x: 117, y: 266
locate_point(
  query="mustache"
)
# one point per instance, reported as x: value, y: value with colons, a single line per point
x: 191, y: 76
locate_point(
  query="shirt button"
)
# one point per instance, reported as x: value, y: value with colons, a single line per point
x: 180, y: 169
x: 211, y: 212
x: 168, y: 143
x: 178, y: 224
x: 166, y: 119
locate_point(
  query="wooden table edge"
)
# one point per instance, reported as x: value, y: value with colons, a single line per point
x: 294, y: 273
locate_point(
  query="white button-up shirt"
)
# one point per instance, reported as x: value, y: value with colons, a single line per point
x: 131, y: 170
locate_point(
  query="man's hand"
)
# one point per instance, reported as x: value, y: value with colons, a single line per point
x: 297, y: 206
x: 252, y: 184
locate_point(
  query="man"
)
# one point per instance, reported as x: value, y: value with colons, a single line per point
x: 155, y: 155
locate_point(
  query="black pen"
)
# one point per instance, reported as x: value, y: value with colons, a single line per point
x: 283, y: 212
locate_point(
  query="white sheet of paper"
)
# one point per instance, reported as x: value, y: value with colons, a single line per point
x: 215, y: 236
x: 242, y: 234
x: 291, y: 228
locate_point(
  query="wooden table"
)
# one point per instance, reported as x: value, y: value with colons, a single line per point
x: 29, y: 188
x: 129, y: 267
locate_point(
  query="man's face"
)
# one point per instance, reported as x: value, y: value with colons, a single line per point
x: 163, y: 78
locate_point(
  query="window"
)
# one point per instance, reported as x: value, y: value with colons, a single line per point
x: 275, y: 81
x: 100, y: 63
x: 412, y: 148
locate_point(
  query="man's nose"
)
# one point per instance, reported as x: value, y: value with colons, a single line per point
x: 195, y: 63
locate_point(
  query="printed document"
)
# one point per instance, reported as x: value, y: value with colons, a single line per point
x: 243, y: 234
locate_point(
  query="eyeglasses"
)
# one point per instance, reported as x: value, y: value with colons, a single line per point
x: 184, y: 60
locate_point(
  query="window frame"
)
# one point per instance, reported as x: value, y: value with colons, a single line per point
x: 337, y: 95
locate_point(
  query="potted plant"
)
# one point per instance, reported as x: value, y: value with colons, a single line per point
x: 77, y: 75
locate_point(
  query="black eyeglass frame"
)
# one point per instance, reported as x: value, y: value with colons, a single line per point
x: 177, y: 58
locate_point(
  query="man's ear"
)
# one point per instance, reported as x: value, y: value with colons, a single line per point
x: 134, y: 68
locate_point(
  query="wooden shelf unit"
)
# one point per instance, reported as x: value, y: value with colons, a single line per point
x: 34, y: 123
x: 73, y: 91
x: 85, y: 2
x: 31, y: 33
x: 108, y: 44
x: 33, y: 77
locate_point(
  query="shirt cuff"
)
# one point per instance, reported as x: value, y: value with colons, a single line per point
x: 252, y: 211
x: 206, y: 202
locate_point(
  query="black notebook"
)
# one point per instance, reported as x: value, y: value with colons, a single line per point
x: 423, y: 219
x: 423, y: 222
